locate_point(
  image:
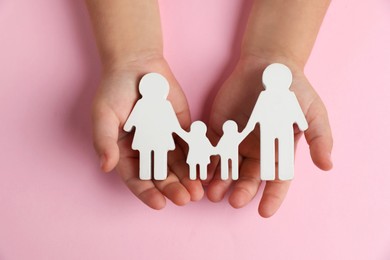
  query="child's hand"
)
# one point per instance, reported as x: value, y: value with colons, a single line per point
x: 115, y: 98
x: 236, y: 100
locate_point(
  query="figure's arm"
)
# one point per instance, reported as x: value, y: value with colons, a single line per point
x: 243, y: 135
x: 255, y: 117
x: 129, y: 125
x: 247, y: 130
x: 182, y: 134
x: 130, y: 122
x: 249, y: 126
x: 300, y: 118
x: 175, y: 124
x: 214, y: 150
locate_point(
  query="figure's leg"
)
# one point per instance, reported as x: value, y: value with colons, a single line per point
x: 286, y: 156
x: 203, y: 171
x: 224, y: 168
x: 145, y: 171
x: 192, y: 171
x: 267, y: 156
x: 234, y: 161
x: 160, y: 165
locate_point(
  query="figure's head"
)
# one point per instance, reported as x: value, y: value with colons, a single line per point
x: 277, y: 77
x: 198, y: 127
x: 230, y: 127
x: 154, y: 86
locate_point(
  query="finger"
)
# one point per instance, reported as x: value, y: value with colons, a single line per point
x: 248, y: 185
x: 173, y: 189
x: 105, y: 137
x: 319, y: 137
x: 177, y: 164
x: 273, y: 196
x: 145, y: 190
x: 217, y: 188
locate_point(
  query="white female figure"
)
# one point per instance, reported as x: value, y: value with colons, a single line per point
x: 155, y: 121
x: 200, y: 149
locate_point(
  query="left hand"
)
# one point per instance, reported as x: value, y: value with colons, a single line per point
x: 235, y: 101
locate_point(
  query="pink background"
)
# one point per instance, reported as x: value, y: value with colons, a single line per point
x: 56, y: 204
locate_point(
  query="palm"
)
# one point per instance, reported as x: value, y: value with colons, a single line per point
x: 115, y: 99
x: 235, y: 101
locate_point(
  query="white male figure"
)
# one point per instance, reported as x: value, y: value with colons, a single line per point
x: 155, y: 121
x: 227, y: 148
x: 277, y: 109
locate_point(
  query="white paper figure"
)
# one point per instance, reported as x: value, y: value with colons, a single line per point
x: 277, y: 109
x: 154, y: 120
x: 200, y: 149
x: 227, y: 148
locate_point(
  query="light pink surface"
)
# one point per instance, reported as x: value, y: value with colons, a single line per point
x: 56, y: 204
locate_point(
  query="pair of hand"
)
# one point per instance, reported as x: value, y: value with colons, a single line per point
x: 118, y: 93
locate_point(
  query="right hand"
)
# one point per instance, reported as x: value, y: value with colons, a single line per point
x: 113, y: 102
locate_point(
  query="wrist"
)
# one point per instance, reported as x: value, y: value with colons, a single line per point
x: 129, y: 61
x: 259, y: 61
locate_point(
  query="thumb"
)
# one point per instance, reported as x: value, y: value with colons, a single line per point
x: 105, y: 137
x: 319, y: 138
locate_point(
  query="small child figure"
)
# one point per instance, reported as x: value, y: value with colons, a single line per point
x: 227, y: 148
x: 200, y: 149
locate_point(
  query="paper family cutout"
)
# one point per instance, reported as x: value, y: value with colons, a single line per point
x: 276, y: 110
